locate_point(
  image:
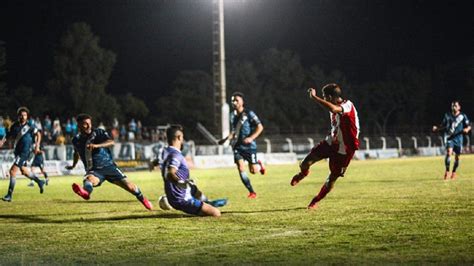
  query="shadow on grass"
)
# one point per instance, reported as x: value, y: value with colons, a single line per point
x: 263, y: 211
x: 77, y: 201
x: 28, y: 218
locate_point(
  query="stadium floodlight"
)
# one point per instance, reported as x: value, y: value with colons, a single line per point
x: 221, y: 109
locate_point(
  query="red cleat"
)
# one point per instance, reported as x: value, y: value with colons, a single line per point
x: 296, y: 179
x: 252, y: 195
x: 313, y: 204
x: 446, y: 175
x: 147, y: 203
x: 80, y: 191
x: 453, y: 176
x: 262, y: 168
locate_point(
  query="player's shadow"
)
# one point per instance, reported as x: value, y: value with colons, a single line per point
x: 264, y: 211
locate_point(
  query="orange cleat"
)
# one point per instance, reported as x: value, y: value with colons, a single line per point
x: 147, y: 203
x: 453, y: 176
x: 446, y: 175
x: 252, y: 195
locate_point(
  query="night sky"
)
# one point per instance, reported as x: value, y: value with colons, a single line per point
x: 155, y: 39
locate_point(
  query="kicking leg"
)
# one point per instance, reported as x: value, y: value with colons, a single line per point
x: 135, y: 190
x: 245, y: 179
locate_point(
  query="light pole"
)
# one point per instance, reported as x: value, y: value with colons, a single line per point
x: 221, y: 108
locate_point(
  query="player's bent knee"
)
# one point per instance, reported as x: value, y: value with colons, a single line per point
x: 93, y: 179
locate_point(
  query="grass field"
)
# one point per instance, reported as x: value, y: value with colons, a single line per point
x: 387, y: 211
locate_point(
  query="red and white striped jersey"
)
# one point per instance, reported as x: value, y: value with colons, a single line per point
x: 345, y: 128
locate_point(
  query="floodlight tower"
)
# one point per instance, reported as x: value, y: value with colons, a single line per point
x: 221, y: 108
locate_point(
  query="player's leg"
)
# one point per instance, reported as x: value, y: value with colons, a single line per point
x: 338, y: 164
x: 254, y: 165
x: 117, y: 177
x: 11, y: 187
x: 208, y: 210
x: 91, y: 179
x: 32, y: 176
x: 239, y: 162
x: 457, y: 153
x: 46, y: 177
x: 316, y: 154
x: 198, y: 194
x: 32, y: 183
x: 447, y: 159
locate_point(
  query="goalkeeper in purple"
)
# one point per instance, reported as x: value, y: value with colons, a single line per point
x: 180, y: 190
x: 454, y: 125
x: 91, y: 145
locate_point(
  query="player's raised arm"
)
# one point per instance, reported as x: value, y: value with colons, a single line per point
x: 333, y: 108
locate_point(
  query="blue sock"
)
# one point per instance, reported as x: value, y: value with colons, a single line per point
x: 455, y: 166
x: 245, y: 179
x: 88, y: 186
x: 11, y: 186
x: 138, y: 193
x: 447, y: 162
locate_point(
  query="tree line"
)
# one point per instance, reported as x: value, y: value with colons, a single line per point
x: 274, y: 85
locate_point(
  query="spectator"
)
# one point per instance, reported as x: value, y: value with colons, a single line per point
x: 38, y: 124
x: 115, y: 123
x: 57, y: 131
x: 7, y: 122
x: 47, y: 124
x: 3, y: 131
x: 139, y: 130
x: 74, y: 126
x: 123, y: 132
x: 68, y: 129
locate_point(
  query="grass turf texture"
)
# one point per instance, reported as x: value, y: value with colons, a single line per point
x: 387, y: 211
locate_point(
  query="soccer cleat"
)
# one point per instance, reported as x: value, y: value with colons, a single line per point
x: 7, y: 198
x: 252, y: 195
x: 313, y: 204
x: 217, y: 203
x: 147, y: 203
x: 41, y: 186
x: 446, y: 175
x: 31, y: 184
x: 262, y: 168
x: 296, y: 179
x: 80, y: 191
x: 453, y: 176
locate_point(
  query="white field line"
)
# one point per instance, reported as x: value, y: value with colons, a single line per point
x: 290, y: 233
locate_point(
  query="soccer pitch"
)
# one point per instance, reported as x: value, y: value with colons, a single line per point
x: 386, y: 211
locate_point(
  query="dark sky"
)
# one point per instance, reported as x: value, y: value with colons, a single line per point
x: 155, y: 39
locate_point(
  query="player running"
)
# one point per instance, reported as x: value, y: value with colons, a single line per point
x: 26, y: 137
x: 454, y: 125
x: 38, y: 162
x: 245, y: 129
x: 181, y: 192
x: 91, y: 145
x: 339, y: 146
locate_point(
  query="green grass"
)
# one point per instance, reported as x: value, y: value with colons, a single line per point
x: 387, y: 211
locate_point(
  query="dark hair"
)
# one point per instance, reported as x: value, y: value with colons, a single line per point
x: 82, y: 117
x: 238, y: 93
x: 22, y: 109
x: 332, y: 89
x: 171, y: 133
x: 456, y: 101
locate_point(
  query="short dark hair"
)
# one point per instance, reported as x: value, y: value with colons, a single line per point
x: 332, y: 89
x: 23, y: 109
x: 82, y: 117
x: 456, y: 101
x: 171, y: 132
x: 238, y: 93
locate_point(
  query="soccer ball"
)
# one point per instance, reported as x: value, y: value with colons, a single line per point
x: 164, y: 204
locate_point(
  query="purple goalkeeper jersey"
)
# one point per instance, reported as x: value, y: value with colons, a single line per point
x: 172, y: 157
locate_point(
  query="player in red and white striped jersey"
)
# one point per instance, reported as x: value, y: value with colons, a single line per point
x: 339, y: 146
